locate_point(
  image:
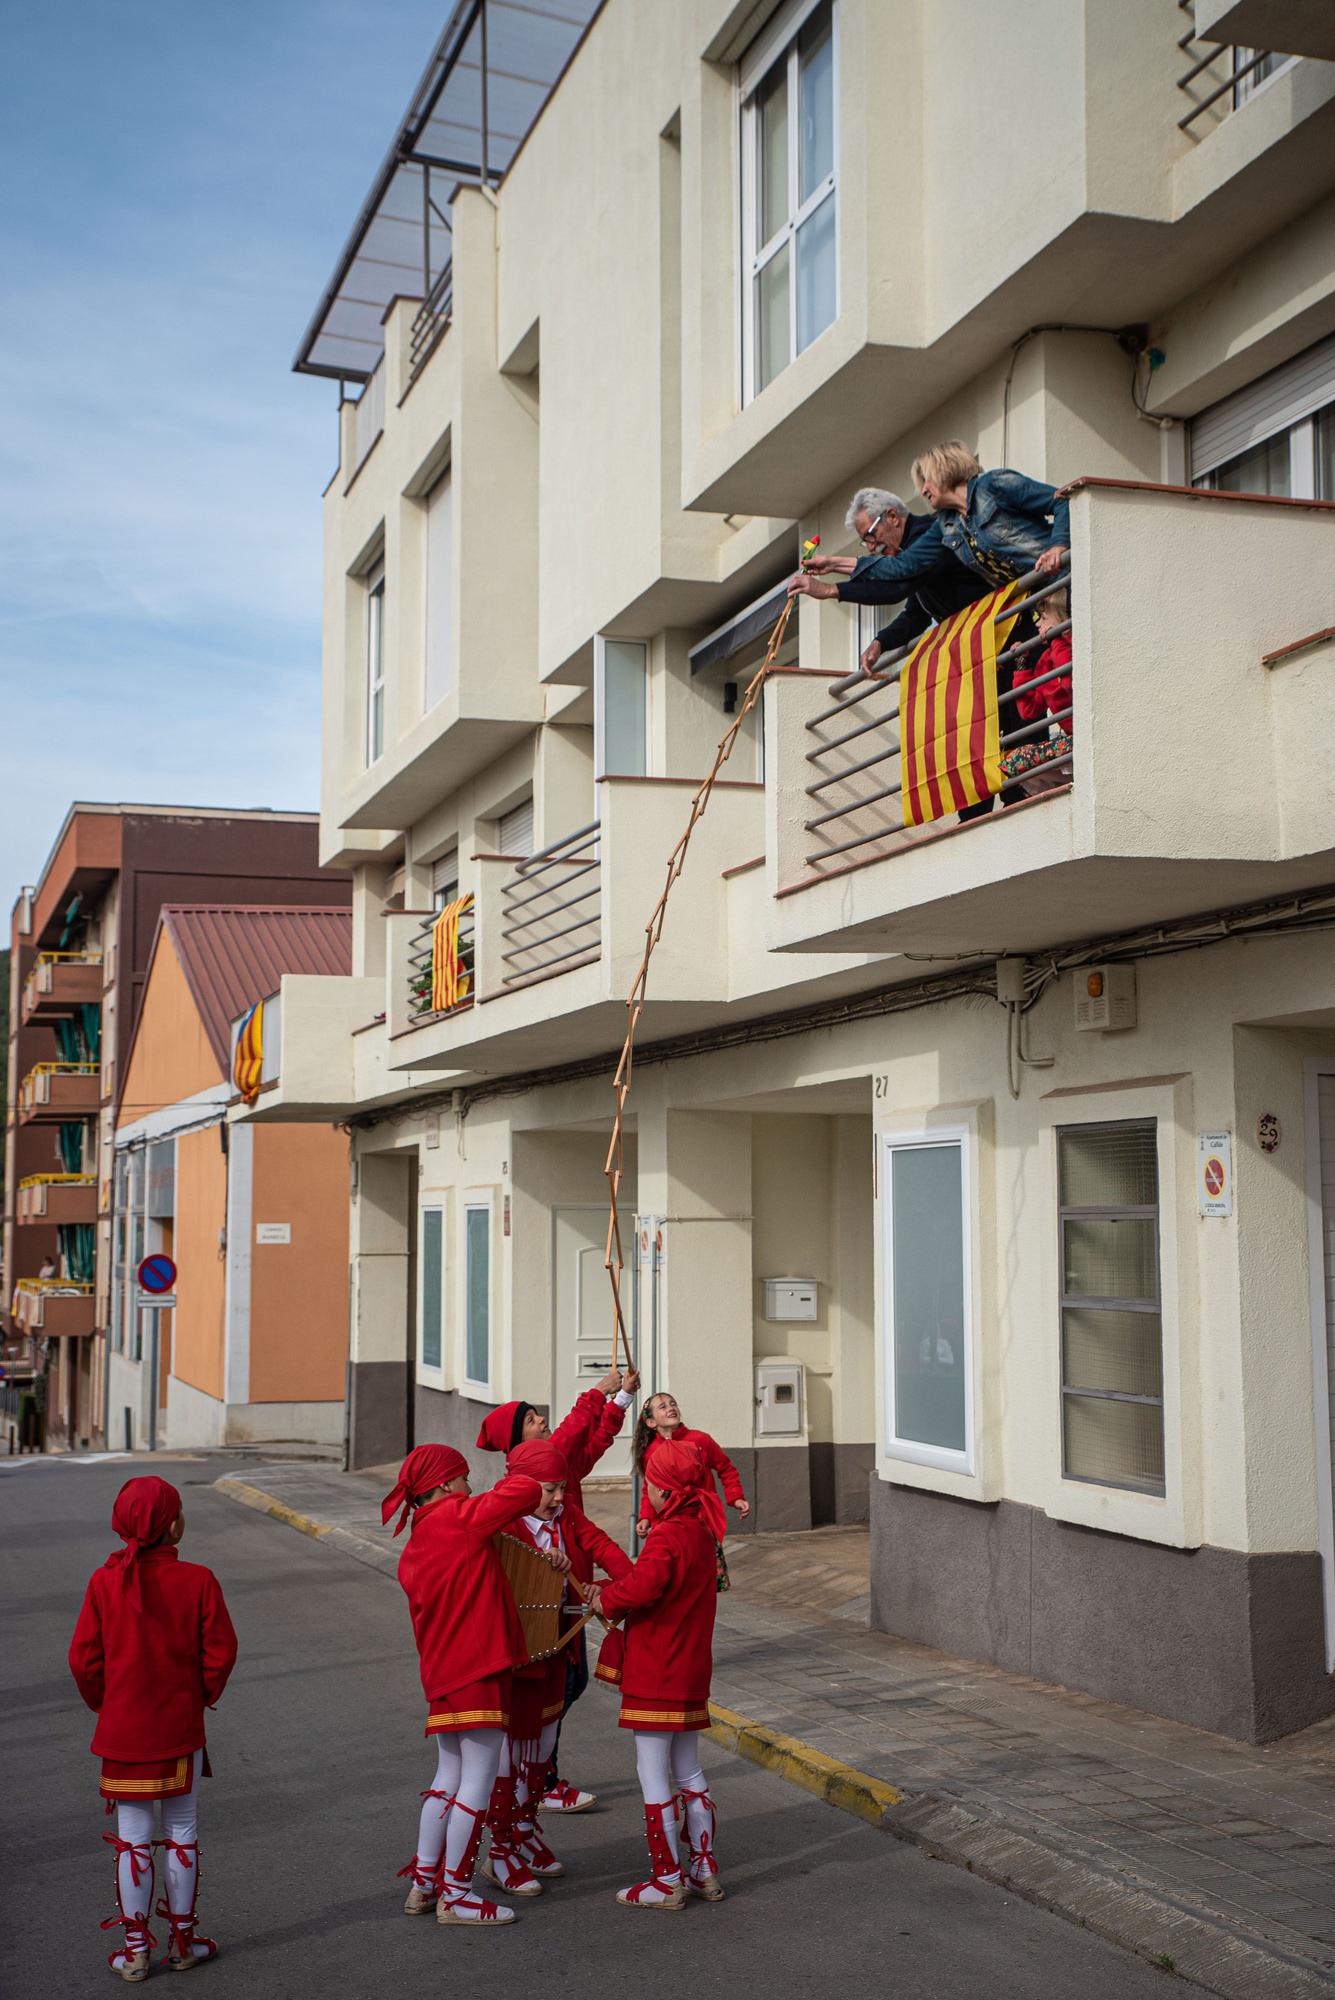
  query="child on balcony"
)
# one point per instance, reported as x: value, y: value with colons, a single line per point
x: 152, y: 1649
x: 1026, y: 762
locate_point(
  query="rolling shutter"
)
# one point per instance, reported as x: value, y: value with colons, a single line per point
x: 514, y: 830
x: 1280, y: 399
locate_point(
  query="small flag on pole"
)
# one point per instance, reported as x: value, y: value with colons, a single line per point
x: 248, y: 1057
x: 950, y: 733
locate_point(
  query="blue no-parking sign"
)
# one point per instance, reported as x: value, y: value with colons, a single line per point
x: 157, y: 1274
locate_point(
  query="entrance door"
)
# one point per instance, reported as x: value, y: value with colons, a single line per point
x: 1321, y: 1265
x: 582, y: 1309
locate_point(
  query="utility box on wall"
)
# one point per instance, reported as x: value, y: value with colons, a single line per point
x: 788, y: 1299
x: 779, y: 1399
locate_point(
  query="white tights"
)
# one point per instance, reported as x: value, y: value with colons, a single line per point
x: 180, y: 1827
x: 466, y: 1766
x: 667, y: 1762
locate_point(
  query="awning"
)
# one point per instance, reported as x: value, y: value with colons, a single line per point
x: 488, y: 79
x: 741, y: 631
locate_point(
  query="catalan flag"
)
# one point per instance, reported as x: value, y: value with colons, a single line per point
x: 950, y: 735
x: 451, y: 980
x: 248, y: 1056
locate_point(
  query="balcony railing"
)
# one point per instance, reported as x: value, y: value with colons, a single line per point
x: 430, y: 322
x: 420, y: 954
x: 52, y: 1306
x: 1218, y: 76
x: 59, y: 1090
x: 368, y: 417
x: 57, y: 1198
x: 857, y: 783
x: 60, y: 980
x: 551, y: 916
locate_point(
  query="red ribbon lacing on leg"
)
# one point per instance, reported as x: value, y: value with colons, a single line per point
x: 702, y: 1852
x: 666, y: 1876
x: 139, y: 1940
x: 458, y: 1880
x: 181, y: 1923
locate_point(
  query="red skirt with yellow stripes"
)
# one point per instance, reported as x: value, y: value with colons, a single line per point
x: 137, y: 1784
x: 481, y: 1704
x: 650, y: 1711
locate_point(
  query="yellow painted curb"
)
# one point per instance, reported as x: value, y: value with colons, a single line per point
x: 838, y: 1784
x: 264, y: 1503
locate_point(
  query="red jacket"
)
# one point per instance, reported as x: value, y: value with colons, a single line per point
x: 463, y: 1610
x: 671, y: 1596
x: 714, y: 1457
x: 583, y: 1541
x: 1055, y: 698
x: 150, y: 1672
x: 584, y: 1437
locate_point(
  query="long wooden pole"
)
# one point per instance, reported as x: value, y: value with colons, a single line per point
x: 613, y: 1259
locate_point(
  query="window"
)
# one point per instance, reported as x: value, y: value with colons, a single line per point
x: 927, y: 1300
x: 432, y: 1259
x: 375, y: 664
x: 1276, y: 436
x: 439, y: 594
x: 477, y: 1293
x: 1111, y: 1330
x: 621, y: 707
x: 514, y: 829
x: 445, y: 879
x: 790, y: 213
x: 1252, y: 68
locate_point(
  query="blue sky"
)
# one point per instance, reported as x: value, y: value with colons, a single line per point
x: 177, y: 182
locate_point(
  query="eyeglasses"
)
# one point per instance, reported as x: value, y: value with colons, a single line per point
x: 868, y: 538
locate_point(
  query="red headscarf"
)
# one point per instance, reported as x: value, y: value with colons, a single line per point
x: 145, y: 1508
x: 681, y: 1471
x: 540, y: 1459
x: 426, y: 1466
x: 504, y: 1428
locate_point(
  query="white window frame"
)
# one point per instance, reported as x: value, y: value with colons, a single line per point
x: 479, y: 1199
x: 911, y: 1450
x: 1245, y: 88
x: 374, y: 664
x: 432, y: 1373
x: 600, y: 644
x: 756, y: 65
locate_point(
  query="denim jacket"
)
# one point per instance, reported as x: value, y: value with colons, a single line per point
x: 1007, y: 523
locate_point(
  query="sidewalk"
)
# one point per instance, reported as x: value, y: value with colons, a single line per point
x: 1209, y: 1857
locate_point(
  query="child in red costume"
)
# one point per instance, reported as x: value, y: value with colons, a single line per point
x: 661, y: 1419
x: 520, y: 1858
x: 670, y: 1598
x: 468, y: 1639
x: 1047, y: 693
x: 581, y: 1439
x: 152, y: 1648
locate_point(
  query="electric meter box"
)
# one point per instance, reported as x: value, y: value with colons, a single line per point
x: 789, y: 1299
x: 779, y: 1399
x: 1105, y: 997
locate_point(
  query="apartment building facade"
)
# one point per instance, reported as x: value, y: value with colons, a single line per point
x: 974, y: 1173
x: 81, y: 939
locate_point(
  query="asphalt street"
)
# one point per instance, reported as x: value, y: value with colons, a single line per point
x: 318, y: 1756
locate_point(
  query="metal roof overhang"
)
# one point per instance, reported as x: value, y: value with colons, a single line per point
x: 489, y: 76
x: 741, y: 631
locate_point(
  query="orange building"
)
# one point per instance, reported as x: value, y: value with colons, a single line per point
x: 251, y: 1342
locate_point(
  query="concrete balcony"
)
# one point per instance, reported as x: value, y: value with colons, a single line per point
x: 53, y: 1307
x: 55, y: 1092
x: 558, y: 936
x: 59, y: 982
x: 1290, y: 27
x: 328, y: 1057
x: 56, y: 1198
x: 1198, y: 774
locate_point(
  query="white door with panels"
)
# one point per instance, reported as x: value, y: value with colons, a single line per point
x: 582, y: 1302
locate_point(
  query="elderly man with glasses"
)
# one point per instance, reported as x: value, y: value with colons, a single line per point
x: 884, y: 526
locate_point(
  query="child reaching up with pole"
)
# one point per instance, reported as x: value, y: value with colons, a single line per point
x: 152, y: 1648
x: 661, y: 1420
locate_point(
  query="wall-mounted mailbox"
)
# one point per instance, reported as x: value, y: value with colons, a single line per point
x: 788, y: 1299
